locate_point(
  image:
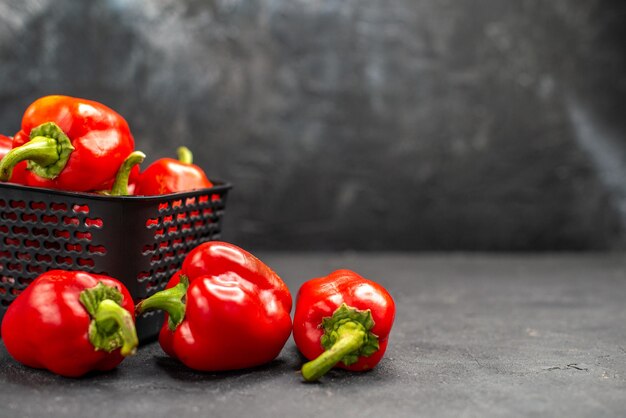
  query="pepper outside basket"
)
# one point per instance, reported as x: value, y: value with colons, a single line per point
x: 139, y: 240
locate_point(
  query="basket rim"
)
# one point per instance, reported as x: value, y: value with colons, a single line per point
x: 218, y: 186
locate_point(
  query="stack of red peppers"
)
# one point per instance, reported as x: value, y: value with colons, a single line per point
x: 225, y: 308
x: 73, y: 144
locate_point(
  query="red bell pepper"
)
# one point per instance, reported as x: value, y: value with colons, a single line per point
x: 70, y: 323
x: 226, y: 310
x: 344, y: 320
x: 168, y: 175
x: 6, y: 143
x: 73, y: 144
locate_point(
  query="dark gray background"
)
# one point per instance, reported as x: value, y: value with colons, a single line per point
x: 358, y: 124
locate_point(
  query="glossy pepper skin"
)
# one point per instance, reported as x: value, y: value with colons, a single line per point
x: 236, y: 313
x: 70, y: 144
x: 168, y: 175
x: 6, y: 144
x: 342, y: 319
x: 71, y: 323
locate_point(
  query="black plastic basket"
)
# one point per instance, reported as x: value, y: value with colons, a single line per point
x: 139, y: 240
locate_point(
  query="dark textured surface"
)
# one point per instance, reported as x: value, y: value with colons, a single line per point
x: 477, y: 336
x: 404, y: 124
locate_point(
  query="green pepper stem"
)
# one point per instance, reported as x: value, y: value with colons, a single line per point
x: 351, y: 337
x: 120, y: 186
x: 169, y: 300
x: 185, y: 155
x: 47, y: 152
x: 42, y: 150
x: 111, y: 318
x: 112, y: 326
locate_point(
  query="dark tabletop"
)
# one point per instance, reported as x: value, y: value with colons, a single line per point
x: 474, y: 335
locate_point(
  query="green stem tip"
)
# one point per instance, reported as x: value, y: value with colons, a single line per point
x: 120, y: 186
x: 112, y: 326
x: 346, y: 338
x: 113, y: 320
x: 170, y: 300
x: 47, y: 153
x: 184, y: 155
